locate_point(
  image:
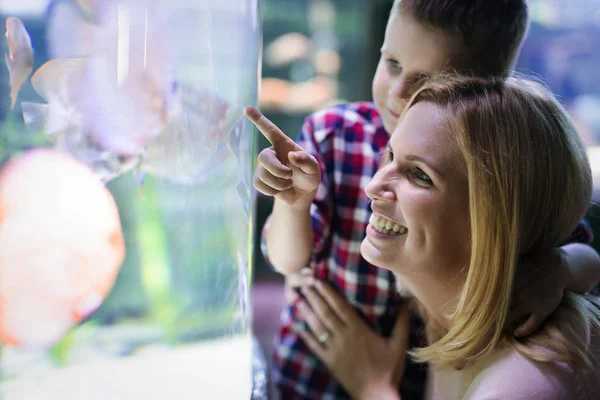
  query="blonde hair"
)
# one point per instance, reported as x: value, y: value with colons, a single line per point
x: 529, y: 185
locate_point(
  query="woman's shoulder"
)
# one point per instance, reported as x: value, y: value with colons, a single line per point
x: 508, y: 374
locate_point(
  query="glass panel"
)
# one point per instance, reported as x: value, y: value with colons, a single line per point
x: 126, y: 242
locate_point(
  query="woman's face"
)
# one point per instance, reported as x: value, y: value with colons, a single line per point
x: 420, y: 199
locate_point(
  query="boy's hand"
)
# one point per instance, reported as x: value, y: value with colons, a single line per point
x: 295, y: 281
x: 540, y: 284
x: 284, y: 170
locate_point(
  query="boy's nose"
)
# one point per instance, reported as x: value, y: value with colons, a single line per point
x: 401, y: 89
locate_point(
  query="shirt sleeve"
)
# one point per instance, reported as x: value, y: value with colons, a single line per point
x: 321, y: 209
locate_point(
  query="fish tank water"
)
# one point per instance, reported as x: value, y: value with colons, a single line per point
x: 126, y: 201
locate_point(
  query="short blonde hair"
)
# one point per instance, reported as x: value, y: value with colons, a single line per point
x: 530, y: 184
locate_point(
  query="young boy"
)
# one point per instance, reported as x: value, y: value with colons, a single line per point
x: 321, y: 211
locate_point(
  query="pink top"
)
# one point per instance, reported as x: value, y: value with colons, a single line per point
x: 506, y: 374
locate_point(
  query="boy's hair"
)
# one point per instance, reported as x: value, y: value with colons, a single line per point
x: 491, y: 30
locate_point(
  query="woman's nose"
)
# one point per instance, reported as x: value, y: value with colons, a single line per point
x: 379, y: 188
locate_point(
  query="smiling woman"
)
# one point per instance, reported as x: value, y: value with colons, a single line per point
x: 459, y: 182
x: 462, y: 153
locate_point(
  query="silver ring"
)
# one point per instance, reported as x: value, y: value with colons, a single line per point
x: 323, y: 337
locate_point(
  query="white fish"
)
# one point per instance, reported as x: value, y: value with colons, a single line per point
x: 194, y: 148
x: 128, y: 79
x: 117, y: 105
x: 58, y: 82
x: 90, y: 8
x: 69, y: 29
x: 19, y: 59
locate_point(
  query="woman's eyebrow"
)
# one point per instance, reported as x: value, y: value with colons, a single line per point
x: 412, y: 157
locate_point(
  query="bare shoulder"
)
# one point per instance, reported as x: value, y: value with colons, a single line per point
x: 509, y: 375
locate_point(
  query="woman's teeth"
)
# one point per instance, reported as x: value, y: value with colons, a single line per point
x: 386, y: 227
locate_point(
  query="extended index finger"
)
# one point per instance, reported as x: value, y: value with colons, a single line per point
x: 268, y: 129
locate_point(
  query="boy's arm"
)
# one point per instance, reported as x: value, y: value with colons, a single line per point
x: 295, y: 234
x: 582, y: 272
x: 582, y: 262
x: 542, y: 279
x: 289, y: 237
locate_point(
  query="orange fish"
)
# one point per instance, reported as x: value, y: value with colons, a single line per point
x: 19, y: 59
x: 61, y: 246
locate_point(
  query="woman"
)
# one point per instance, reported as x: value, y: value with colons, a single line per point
x: 480, y: 174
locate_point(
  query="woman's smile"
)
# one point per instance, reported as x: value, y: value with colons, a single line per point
x: 386, y: 227
x: 381, y: 229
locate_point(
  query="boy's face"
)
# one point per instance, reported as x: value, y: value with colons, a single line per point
x: 411, y: 51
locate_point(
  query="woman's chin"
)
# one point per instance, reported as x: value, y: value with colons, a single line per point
x: 372, y: 254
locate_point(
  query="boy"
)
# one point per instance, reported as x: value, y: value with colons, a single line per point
x: 321, y: 211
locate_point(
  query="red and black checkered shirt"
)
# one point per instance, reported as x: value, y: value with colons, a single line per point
x: 347, y: 141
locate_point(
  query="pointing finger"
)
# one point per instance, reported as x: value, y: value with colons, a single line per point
x: 268, y: 129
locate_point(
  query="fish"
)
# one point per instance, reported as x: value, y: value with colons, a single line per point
x: 60, y: 249
x: 116, y: 115
x: 129, y: 69
x: 56, y: 81
x: 69, y: 29
x: 61, y: 121
x: 195, y: 148
x: 138, y: 89
x: 19, y: 58
x: 90, y: 8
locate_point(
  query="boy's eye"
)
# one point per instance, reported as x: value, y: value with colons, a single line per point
x: 393, y: 64
x: 421, y: 178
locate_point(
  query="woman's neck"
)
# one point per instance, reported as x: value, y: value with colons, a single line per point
x: 436, y: 293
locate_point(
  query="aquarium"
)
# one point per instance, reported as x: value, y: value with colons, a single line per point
x: 126, y: 200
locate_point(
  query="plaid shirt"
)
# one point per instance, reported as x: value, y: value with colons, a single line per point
x: 347, y: 141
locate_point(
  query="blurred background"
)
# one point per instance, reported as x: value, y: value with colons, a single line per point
x: 321, y: 52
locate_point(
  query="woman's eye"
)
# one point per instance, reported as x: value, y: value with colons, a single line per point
x: 389, y: 156
x: 421, y: 178
x: 386, y: 157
